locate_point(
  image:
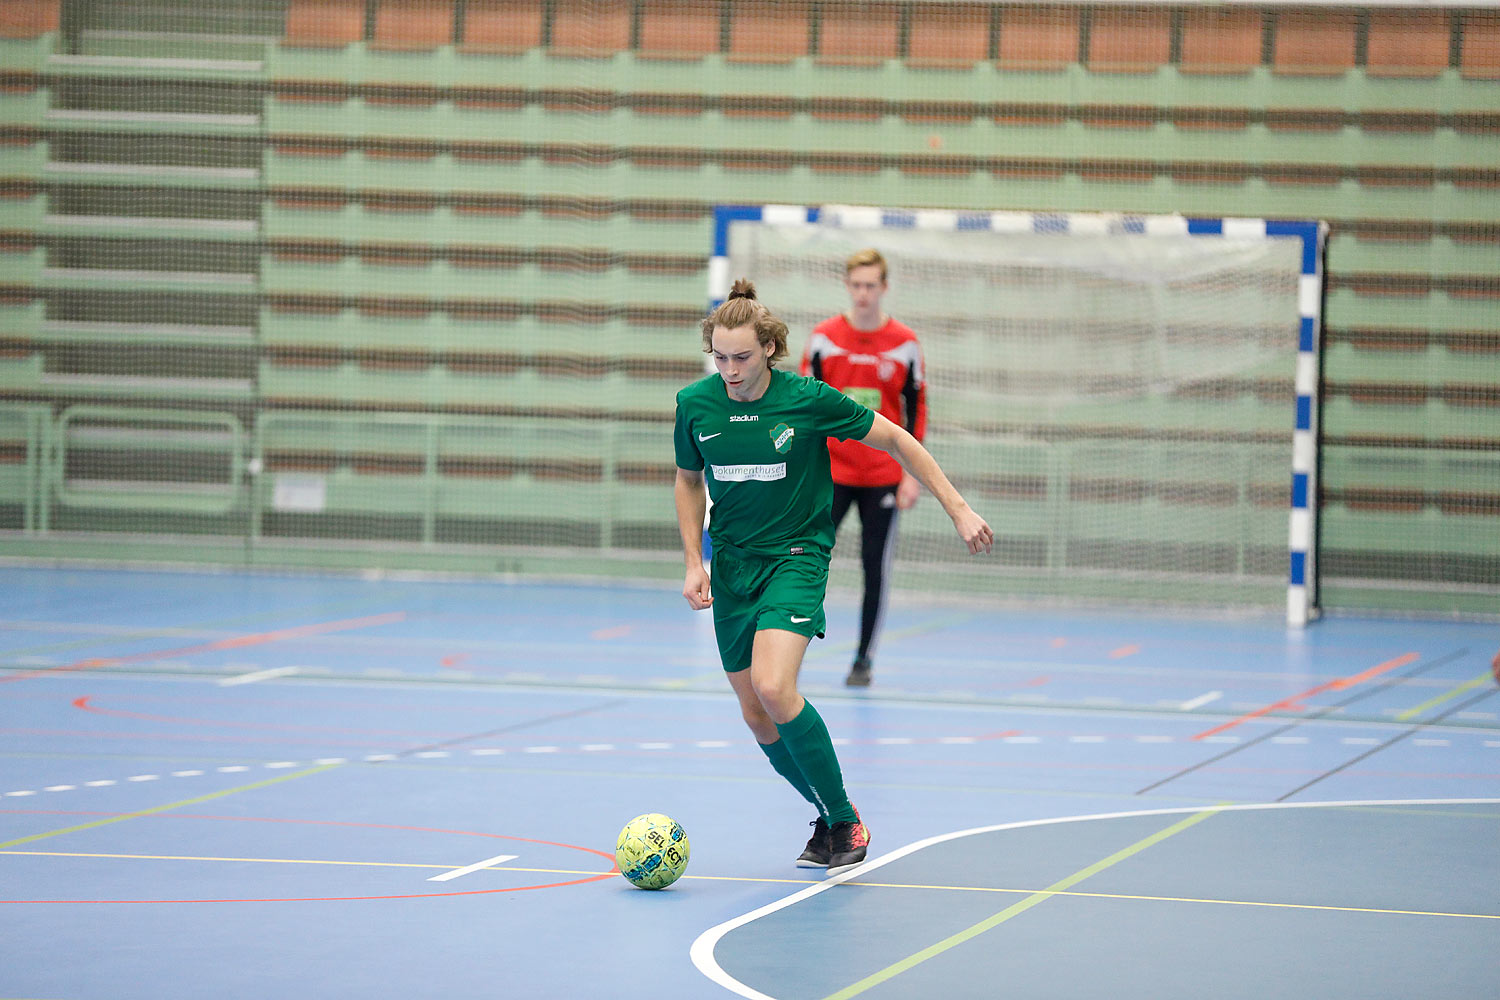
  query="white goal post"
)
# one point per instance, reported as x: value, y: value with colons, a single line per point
x: 1117, y: 394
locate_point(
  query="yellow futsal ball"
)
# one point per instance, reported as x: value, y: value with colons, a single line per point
x: 652, y: 851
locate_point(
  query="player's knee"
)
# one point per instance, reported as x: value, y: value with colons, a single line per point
x: 776, y: 694
x: 753, y: 713
x: 758, y: 720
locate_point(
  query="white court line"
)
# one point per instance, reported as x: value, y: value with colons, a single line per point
x: 498, y: 859
x: 702, y: 950
x: 258, y: 675
x: 1200, y: 701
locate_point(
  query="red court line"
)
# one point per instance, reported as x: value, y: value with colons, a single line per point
x: 313, y: 740
x: 83, y: 703
x: 233, y: 642
x: 328, y: 899
x: 1295, y: 701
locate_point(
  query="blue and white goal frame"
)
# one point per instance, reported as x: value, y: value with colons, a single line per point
x: 1302, y: 577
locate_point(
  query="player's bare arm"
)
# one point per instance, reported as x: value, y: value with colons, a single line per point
x: 899, y: 443
x: 692, y: 504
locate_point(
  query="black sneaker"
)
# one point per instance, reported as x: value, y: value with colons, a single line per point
x: 850, y: 841
x: 819, y: 846
x: 859, y: 674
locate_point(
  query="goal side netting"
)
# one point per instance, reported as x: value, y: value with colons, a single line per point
x: 1128, y: 401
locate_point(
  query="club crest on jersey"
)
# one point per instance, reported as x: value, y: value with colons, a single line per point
x: 781, y: 438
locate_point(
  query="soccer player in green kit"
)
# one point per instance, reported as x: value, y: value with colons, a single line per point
x: 758, y: 437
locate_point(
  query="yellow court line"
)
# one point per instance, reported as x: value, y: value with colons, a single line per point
x: 1187, y: 899
x: 191, y: 857
x: 779, y: 881
x: 170, y: 805
x: 1469, y: 685
x: 390, y: 864
x: 1444, y: 813
x: 1016, y: 909
x: 402, y: 864
x: 1100, y: 895
x: 291, y: 861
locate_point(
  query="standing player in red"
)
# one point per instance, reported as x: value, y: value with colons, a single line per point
x: 876, y: 361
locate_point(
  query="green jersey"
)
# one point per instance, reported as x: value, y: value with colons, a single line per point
x: 766, y: 462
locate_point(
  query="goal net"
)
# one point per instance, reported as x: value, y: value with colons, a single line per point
x: 1118, y: 396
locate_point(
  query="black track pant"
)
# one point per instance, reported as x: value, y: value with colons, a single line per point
x: 877, y: 530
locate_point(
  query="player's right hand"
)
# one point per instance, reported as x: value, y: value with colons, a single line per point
x: 697, y: 589
x: 976, y: 534
x: 907, y: 491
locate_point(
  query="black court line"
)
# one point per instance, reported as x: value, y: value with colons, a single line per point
x: 1357, y: 696
x: 515, y: 727
x: 1390, y: 742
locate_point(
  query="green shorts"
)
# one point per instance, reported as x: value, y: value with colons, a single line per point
x: 753, y: 592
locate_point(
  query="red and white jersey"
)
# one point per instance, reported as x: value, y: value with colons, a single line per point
x: 882, y: 369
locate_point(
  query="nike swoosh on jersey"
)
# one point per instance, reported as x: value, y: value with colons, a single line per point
x: 797, y: 619
x: 705, y: 437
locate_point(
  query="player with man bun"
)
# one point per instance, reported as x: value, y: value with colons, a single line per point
x: 756, y: 438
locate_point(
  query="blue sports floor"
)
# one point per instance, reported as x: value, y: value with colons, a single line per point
x: 251, y: 785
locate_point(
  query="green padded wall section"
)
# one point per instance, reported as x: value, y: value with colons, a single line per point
x: 229, y: 214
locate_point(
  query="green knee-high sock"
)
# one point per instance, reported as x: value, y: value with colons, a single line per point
x: 811, y: 748
x: 781, y: 759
